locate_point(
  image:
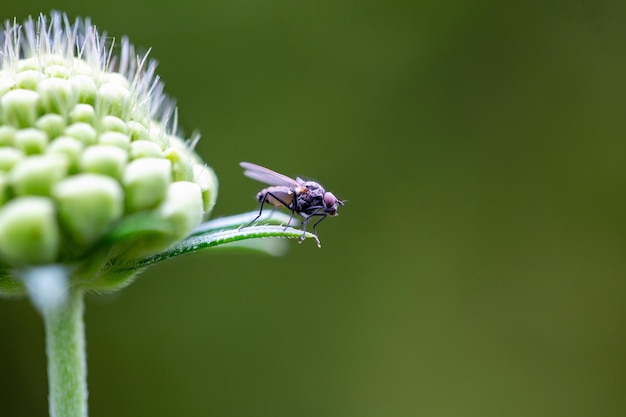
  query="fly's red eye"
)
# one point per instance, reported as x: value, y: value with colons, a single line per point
x: 330, y: 200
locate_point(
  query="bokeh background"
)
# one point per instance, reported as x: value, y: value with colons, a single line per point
x: 478, y: 268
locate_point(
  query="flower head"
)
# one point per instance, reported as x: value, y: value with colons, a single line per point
x: 92, y: 169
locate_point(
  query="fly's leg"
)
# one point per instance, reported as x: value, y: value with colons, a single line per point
x: 324, y: 215
x: 293, y: 207
x: 306, y: 222
x: 261, y: 210
x: 304, y: 225
x: 259, y: 215
x: 293, y: 211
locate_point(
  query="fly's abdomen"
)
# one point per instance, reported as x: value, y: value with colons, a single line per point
x: 278, y: 196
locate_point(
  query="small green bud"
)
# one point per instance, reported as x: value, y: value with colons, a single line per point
x: 182, y: 169
x: 28, y: 231
x: 205, y: 177
x: 52, y: 124
x: 56, y: 95
x: 137, y: 131
x: 82, y: 113
x: 83, y: 132
x: 144, y: 149
x: 84, y: 88
x: 31, y: 140
x: 177, y: 143
x: 146, y: 182
x: 9, y: 157
x: 155, y: 133
x: 115, y: 78
x: 7, y: 135
x: 28, y: 64
x: 37, y: 174
x: 113, y: 124
x: 82, y: 67
x: 28, y: 79
x: 104, y: 159
x: 113, y: 99
x: 115, y: 139
x: 88, y: 205
x: 69, y: 147
x: 57, y: 71
x: 19, y: 108
x: 183, y: 206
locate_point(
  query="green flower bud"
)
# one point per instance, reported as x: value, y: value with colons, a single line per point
x: 83, y: 132
x: 104, y: 159
x: 84, y: 88
x: 178, y: 143
x: 9, y: 157
x: 55, y: 94
x: 88, y: 205
x: 183, y: 206
x: 113, y: 99
x: 205, y: 177
x: 37, y: 174
x: 113, y: 124
x: 70, y: 148
x: 115, y: 78
x: 145, y: 149
x: 146, y: 181
x: 29, y: 232
x: 57, y: 71
x: 182, y: 170
x: 92, y: 172
x: 83, y: 113
x: 52, y: 124
x: 27, y: 64
x: 7, y: 136
x: 137, y: 131
x: 19, y: 108
x: 116, y: 139
x: 31, y: 141
x: 28, y: 79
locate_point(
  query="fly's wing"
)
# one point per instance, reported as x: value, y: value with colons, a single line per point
x: 261, y: 174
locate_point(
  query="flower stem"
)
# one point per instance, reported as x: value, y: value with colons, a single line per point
x: 65, y: 347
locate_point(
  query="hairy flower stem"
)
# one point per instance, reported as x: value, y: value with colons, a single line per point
x: 65, y: 347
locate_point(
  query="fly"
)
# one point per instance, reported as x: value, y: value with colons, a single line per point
x: 306, y: 198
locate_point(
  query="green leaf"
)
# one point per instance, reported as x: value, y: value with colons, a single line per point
x: 238, y: 220
x: 228, y: 232
x: 213, y: 239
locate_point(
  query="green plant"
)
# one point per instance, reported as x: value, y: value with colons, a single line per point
x: 95, y: 183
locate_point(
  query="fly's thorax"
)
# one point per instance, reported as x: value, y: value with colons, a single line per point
x: 310, y: 201
x: 313, y: 187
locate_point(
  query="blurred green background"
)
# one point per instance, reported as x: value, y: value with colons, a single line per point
x: 478, y: 268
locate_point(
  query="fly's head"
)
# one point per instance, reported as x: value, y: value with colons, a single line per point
x: 331, y: 203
